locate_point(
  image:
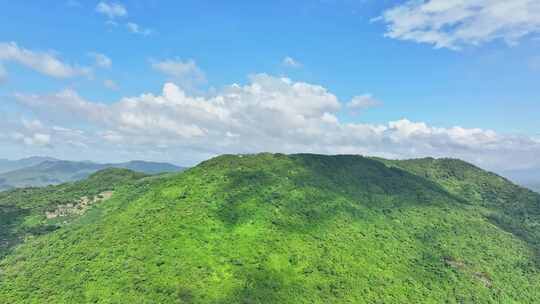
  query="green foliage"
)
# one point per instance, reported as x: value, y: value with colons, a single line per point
x: 511, y: 207
x: 272, y: 228
x: 22, y: 211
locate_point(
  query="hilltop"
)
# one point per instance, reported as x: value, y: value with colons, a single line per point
x: 274, y: 228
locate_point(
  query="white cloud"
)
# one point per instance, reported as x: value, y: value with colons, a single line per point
x: 65, y: 104
x: 45, y: 63
x: 101, y: 60
x: 363, y: 102
x: 38, y: 139
x: 186, y: 73
x: 110, y: 84
x: 456, y: 23
x: 111, y: 9
x: 267, y: 114
x: 290, y: 62
x: 136, y: 29
x: 31, y: 134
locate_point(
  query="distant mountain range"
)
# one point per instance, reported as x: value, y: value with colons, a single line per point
x: 43, y: 171
x: 529, y: 178
x: 10, y: 165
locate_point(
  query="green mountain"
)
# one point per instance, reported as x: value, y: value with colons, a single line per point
x: 273, y: 228
x: 54, y: 172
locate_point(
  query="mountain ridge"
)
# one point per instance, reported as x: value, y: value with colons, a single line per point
x: 53, y: 172
x: 7, y: 165
x: 303, y: 228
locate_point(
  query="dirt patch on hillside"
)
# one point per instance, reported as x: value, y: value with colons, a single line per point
x: 79, y: 207
x: 460, y: 265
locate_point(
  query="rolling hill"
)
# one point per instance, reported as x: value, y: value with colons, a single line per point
x: 274, y: 228
x: 54, y: 172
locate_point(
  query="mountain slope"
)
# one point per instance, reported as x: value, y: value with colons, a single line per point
x: 291, y: 229
x: 57, y: 172
x: 23, y: 212
x: 511, y: 207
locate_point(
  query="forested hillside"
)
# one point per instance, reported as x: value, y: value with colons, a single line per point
x: 23, y: 212
x: 274, y: 228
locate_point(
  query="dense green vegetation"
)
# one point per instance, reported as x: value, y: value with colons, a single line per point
x: 511, y: 207
x: 286, y: 229
x: 22, y: 211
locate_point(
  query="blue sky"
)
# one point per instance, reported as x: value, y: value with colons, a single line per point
x: 467, y: 76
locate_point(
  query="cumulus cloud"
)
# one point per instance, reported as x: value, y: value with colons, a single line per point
x: 136, y: 29
x: 66, y: 104
x: 290, y: 62
x: 267, y: 114
x: 101, y: 60
x: 363, y: 102
x: 44, y: 63
x: 34, y: 136
x: 38, y: 139
x: 111, y: 9
x: 31, y: 133
x: 187, y: 73
x: 455, y: 23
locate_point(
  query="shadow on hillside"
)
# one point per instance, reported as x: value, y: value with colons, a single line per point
x: 323, y: 187
x: 370, y: 179
x: 260, y: 286
x: 320, y: 188
x: 10, y: 219
x: 519, y: 229
x: 13, y: 230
